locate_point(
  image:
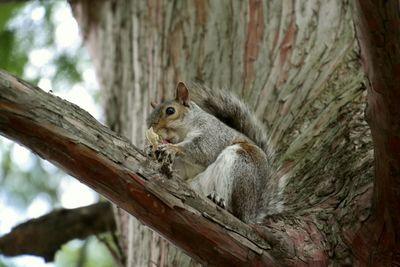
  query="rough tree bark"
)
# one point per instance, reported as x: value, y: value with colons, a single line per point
x: 295, y: 62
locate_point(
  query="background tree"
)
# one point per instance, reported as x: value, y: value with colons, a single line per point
x: 32, y: 47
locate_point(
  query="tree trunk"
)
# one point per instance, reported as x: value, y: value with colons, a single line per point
x: 378, y: 32
x: 295, y: 62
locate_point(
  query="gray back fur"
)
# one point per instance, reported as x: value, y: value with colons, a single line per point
x: 233, y: 112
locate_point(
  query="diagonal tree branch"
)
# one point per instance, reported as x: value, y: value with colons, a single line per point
x: 71, y: 139
x: 58, y: 227
x: 378, y: 32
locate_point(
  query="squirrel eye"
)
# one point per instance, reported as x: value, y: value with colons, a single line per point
x: 170, y: 111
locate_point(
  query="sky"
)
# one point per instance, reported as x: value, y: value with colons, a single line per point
x: 67, y: 38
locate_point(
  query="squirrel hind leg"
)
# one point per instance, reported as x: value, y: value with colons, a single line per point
x: 245, y: 194
x: 250, y: 172
x: 215, y: 181
x: 233, y: 177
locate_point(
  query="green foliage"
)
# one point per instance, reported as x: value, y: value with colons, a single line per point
x: 11, y: 60
x: 89, y: 253
x: 20, y: 35
x: 7, y: 11
x: 66, y: 69
x: 6, y: 263
x: 23, y: 185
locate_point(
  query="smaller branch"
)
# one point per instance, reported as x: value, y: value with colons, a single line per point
x: 44, y: 236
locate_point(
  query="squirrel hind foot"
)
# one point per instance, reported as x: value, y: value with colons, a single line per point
x: 214, y: 197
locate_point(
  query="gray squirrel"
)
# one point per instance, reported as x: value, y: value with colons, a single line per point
x: 214, y: 142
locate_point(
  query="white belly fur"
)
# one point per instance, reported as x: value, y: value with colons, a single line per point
x: 216, y: 177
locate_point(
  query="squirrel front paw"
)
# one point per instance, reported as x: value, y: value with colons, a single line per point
x: 165, y: 154
x: 149, y: 151
x: 217, y: 199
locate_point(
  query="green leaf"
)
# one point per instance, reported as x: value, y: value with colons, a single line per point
x: 10, y: 58
x: 7, y: 11
x: 67, y: 69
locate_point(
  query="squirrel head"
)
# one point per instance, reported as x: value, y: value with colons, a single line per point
x: 167, y: 117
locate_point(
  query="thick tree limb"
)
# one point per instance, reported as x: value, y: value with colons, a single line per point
x: 70, y: 138
x: 45, y: 235
x: 378, y: 31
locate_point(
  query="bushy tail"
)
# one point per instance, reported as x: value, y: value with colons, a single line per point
x: 230, y: 110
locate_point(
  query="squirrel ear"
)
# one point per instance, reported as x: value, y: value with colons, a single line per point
x: 182, y: 94
x: 153, y: 104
